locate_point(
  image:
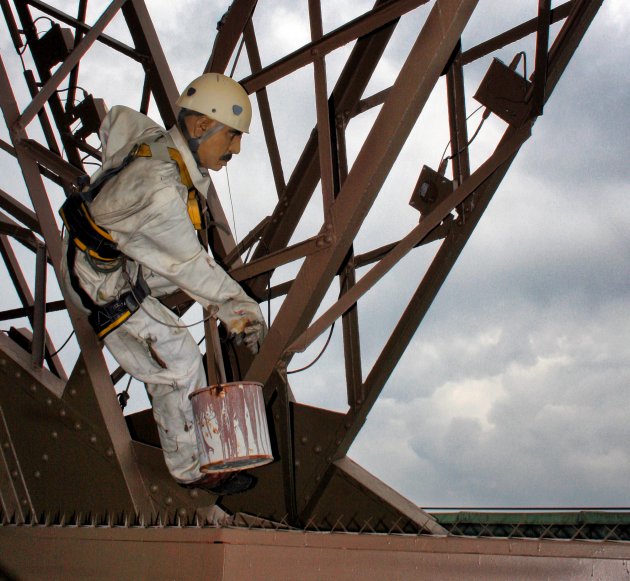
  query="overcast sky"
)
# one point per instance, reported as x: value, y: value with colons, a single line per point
x: 514, y: 390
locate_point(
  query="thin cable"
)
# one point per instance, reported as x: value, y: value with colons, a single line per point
x: 64, y: 344
x: 126, y: 276
x: 238, y: 54
x: 227, y: 175
x: 44, y: 18
x: 85, y: 93
x: 268, y: 289
x: 332, y: 328
x: 469, y: 141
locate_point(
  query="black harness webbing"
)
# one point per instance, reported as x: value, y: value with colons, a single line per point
x: 105, y: 318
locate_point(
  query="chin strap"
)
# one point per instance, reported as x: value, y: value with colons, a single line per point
x: 195, y: 142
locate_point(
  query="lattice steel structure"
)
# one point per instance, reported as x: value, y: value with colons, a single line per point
x: 66, y: 447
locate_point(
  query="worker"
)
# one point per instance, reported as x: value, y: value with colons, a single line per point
x: 132, y: 240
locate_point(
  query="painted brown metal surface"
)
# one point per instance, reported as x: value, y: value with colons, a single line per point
x: 240, y: 553
x: 66, y: 445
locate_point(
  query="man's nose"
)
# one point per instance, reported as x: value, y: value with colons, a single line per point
x: 235, y: 145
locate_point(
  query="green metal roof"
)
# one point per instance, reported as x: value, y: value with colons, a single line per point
x: 584, y: 525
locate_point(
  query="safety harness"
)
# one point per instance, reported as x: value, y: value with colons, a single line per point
x: 97, y: 243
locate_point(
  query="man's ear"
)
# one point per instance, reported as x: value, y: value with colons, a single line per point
x: 201, y: 125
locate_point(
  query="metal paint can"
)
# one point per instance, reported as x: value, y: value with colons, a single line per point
x: 231, y: 426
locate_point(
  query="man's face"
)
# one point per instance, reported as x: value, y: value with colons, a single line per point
x: 216, y: 151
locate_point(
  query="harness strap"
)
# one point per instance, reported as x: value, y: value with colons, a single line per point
x: 106, y: 318
x: 194, y: 203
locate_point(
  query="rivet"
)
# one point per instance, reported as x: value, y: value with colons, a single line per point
x: 329, y: 459
x: 24, y: 501
x: 45, y: 457
x: 49, y: 401
x: 18, y: 374
x: 348, y: 425
x: 54, y: 435
x: 37, y: 474
x: 154, y: 487
x: 62, y: 413
x: 318, y: 478
x: 81, y: 371
x: 93, y: 439
x: 73, y: 391
x: 337, y: 442
x: 277, y: 416
x: 14, y: 473
x: 77, y: 426
x: 33, y: 388
x: 304, y: 439
x: 317, y: 449
x: 359, y: 401
x: 168, y: 500
x: 3, y: 361
x: 6, y: 445
x: 297, y: 463
x: 109, y: 452
x: 182, y: 512
x: 194, y: 493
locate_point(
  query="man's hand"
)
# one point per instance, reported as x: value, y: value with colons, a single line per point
x: 244, y: 321
x: 252, y: 335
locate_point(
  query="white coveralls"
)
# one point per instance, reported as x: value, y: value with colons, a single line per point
x: 144, y: 209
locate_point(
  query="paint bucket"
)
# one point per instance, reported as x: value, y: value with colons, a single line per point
x: 231, y: 426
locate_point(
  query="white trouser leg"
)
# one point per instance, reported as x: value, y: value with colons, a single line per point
x: 169, y: 362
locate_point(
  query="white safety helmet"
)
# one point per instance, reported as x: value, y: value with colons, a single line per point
x: 220, y: 98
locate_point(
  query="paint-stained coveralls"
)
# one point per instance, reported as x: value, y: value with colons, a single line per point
x: 144, y: 209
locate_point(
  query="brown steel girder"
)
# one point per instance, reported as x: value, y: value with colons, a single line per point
x: 312, y: 481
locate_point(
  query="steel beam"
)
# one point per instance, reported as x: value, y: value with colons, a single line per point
x: 521, y: 31
x: 383, y: 14
x: 66, y: 67
x: 265, y: 110
x: 229, y: 29
x: 96, y: 366
x: 346, y: 94
x: 19, y: 211
x: 156, y: 67
x: 542, y: 47
x: 84, y: 28
x: 410, y: 92
x: 456, y: 98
